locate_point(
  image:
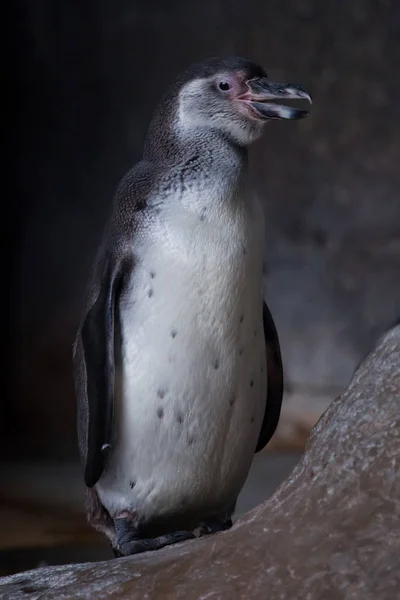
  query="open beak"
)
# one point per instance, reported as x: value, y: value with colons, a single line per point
x: 262, y: 90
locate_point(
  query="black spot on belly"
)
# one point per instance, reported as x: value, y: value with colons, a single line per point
x: 216, y: 364
x: 174, y: 333
x: 179, y: 417
x: 255, y: 333
x: 240, y: 351
x: 152, y: 274
x: 252, y: 419
x: 191, y: 440
x: 241, y: 318
x: 160, y: 412
x: 150, y: 293
x: 161, y: 393
x: 251, y: 382
x: 232, y: 401
x: 132, y: 484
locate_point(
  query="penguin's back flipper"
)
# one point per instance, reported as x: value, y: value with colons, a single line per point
x: 95, y: 368
x: 274, y: 381
x: 93, y: 352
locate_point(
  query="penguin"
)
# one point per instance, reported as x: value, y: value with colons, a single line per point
x: 177, y: 364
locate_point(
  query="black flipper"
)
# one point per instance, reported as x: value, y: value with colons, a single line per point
x: 93, y: 351
x: 274, y: 381
x: 95, y: 368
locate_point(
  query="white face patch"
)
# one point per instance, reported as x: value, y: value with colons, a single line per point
x: 200, y: 108
x: 188, y: 116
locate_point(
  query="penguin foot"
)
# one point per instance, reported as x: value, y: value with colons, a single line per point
x: 128, y: 542
x: 137, y: 546
x: 214, y: 526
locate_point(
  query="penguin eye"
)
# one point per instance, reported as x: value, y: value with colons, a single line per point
x: 224, y: 86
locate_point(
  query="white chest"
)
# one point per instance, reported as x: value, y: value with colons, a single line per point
x: 192, y: 387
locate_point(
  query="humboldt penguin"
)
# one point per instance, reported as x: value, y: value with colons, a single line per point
x: 177, y: 362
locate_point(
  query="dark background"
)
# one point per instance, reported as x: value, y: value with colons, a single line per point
x: 87, y: 76
x: 83, y: 78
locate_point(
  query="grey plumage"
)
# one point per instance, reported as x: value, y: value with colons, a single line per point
x: 168, y: 364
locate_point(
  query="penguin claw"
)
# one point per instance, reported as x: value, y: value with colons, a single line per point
x: 178, y: 536
x: 137, y: 546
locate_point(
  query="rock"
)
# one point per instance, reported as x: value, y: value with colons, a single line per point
x: 331, y: 531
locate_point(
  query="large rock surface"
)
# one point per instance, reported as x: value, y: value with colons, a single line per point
x: 331, y: 531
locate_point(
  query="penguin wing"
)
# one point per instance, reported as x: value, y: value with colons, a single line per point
x: 93, y: 351
x: 274, y: 381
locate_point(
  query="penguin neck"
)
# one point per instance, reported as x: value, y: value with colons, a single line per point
x: 204, y: 174
x: 173, y: 146
x: 211, y: 153
x: 197, y: 166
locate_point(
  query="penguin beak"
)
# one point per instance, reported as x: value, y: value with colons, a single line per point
x: 262, y: 90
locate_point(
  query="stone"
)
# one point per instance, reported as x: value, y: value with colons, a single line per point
x: 331, y: 531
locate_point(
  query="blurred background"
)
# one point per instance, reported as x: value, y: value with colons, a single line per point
x: 87, y: 77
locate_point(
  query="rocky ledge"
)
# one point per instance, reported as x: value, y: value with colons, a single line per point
x: 331, y: 531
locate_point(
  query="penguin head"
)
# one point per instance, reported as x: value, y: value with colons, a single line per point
x: 233, y: 96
